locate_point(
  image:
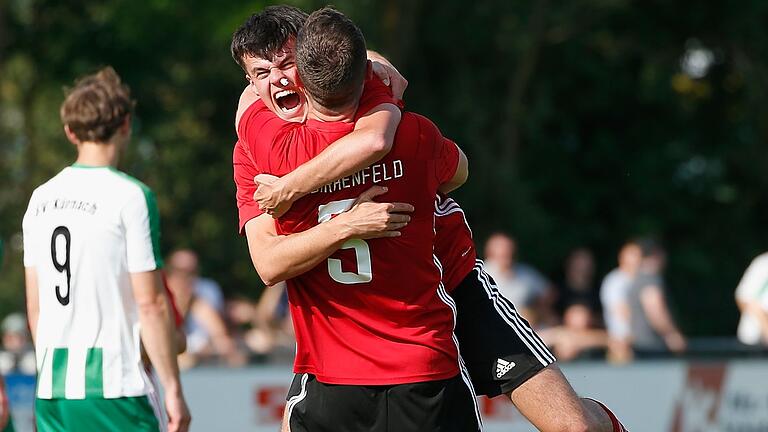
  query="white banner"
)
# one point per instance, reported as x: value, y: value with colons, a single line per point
x: 663, y: 396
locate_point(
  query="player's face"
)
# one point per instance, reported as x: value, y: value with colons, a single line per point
x: 277, y: 83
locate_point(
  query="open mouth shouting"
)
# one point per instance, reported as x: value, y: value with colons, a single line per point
x: 289, y: 101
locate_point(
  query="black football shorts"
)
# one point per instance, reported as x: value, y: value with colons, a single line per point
x: 445, y: 405
x: 499, y: 347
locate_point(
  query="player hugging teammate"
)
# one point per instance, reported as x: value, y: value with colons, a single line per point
x: 382, y: 342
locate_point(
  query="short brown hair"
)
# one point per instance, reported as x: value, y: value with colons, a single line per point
x: 96, y: 107
x: 264, y: 34
x: 331, y: 58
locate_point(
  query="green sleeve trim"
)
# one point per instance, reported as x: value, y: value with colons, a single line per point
x: 154, y: 216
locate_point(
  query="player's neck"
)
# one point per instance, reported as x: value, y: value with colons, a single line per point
x: 321, y: 113
x: 97, y: 154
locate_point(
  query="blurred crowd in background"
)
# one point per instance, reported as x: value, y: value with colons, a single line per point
x: 620, y: 316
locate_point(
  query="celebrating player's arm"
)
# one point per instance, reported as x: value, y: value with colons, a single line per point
x: 371, y: 140
x: 280, y: 257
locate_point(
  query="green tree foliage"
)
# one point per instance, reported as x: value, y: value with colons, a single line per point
x: 586, y: 122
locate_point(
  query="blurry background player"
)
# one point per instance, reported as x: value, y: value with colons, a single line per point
x: 251, y: 41
x: 91, y: 252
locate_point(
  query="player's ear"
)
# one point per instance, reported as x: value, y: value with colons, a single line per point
x: 71, y: 135
x: 126, y: 126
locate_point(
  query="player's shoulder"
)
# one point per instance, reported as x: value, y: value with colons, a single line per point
x: 128, y: 187
x: 414, y: 121
x: 417, y: 136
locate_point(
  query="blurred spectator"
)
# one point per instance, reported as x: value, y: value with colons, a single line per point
x: 652, y: 329
x: 752, y: 300
x: 579, y: 300
x: 579, y: 304
x: 614, y: 293
x: 528, y: 290
x: 201, y: 301
x: 265, y: 325
x: 17, y: 355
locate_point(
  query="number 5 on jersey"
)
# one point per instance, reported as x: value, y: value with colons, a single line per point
x: 362, y: 252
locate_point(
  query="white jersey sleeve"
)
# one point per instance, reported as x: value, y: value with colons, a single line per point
x: 142, y: 232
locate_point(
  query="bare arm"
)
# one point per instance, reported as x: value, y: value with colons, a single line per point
x: 33, y: 300
x: 462, y: 172
x: 223, y: 343
x: 655, y: 308
x: 247, y: 97
x: 371, y: 140
x: 157, y: 335
x: 280, y: 257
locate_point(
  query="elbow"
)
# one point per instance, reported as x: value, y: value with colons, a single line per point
x: 154, y: 306
x: 267, y: 273
x: 379, y: 145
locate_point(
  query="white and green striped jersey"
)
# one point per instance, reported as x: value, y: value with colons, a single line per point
x: 85, y: 231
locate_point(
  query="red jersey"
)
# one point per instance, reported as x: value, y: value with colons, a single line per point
x: 454, y: 246
x: 375, y: 312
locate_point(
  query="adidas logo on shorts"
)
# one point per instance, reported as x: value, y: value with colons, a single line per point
x: 503, y: 366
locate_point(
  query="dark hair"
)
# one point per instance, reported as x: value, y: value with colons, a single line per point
x: 649, y: 246
x: 263, y: 34
x: 331, y: 58
x: 97, y: 106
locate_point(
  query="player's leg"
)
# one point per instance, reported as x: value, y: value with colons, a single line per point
x: 548, y: 401
x: 316, y: 407
x: 504, y: 355
x: 445, y: 406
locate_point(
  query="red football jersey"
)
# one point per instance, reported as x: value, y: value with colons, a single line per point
x: 375, y: 312
x: 454, y: 246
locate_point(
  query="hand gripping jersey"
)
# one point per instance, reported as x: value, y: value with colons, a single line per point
x: 85, y: 231
x: 376, y: 311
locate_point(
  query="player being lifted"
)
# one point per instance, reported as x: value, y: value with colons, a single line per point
x: 502, y: 352
x: 94, y: 291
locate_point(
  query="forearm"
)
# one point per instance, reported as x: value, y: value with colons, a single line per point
x: 158, y: 337
x: 371, y: 140
x: 280, y: 257
x: 662, y: 322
